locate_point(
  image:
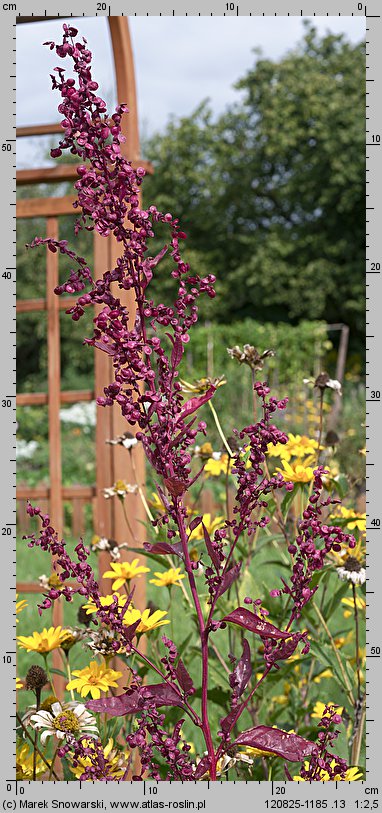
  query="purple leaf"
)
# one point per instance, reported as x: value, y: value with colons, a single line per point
x: 252, y: 622
x: 202, y: 767
x: 194, y: 403
x: 227, y: 722
x: 116, y: 706
x: 175, y: 486
x: 163, y: 497
x: 194, y: 523
x: 184, y: 679
x: 284, y: 649
x: 158, y: 257
x: 129, y: 632
x: 211, y: 550
x: 164, y: 548
x: 147, y: 273
x: 228, y: 579
x: 275, y: 741
x: 103, y: 346
x: 177, y: 352
x: 160, y: 694
x: 242, y: 672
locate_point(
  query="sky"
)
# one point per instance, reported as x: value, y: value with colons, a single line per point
x: 179, y: 61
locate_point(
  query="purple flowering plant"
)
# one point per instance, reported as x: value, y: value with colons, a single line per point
x: 146, y: 348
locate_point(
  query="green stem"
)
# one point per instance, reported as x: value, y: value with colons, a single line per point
x: 52, y: 763
x: 48, y: 672
x: 219, y: 428
x: 130, y: 529
x: 356, y: 622
x: 141, y: 492
x: 29, y: 737
x: 320, y: 425
x: 334, y: 648
x: 69, y: 674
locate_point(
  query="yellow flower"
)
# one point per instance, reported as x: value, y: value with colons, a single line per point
x: 327, y: 673
x: 20, y: 605
x: 211, y: 525
x: 168, y: 577
x: 94, y: 679
x: 24, y: 763
x: 342, y: 641
x: 297, y: 446
x: 356, y: 519
x: 349, y: 602
x: 297, y: 472
x: 201, y: 385
x: 52, y: 581
x: 204, y: 451
x: 319, y: 708
x: 122, y: 572
x: 156, y: 502
x: 216, y: 467
x: 352, y: 774
x: 147, y: 622
x: 19, y: 683
x: 115, y: 761
x: 44, y: 641
x: 358, y: 552
x: 106, y: 601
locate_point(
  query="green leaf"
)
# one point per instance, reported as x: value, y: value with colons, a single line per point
x: 184, y: 644
x: 335, y: 599
x: 324, y: 653
x: 247, y: 585
x: 59, y: 672
x: 320, y: 575
x: 341, y: 485
x: 216, y: 695
x: 288, y: 499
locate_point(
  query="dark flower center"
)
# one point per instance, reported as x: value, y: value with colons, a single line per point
x: 352, y: 564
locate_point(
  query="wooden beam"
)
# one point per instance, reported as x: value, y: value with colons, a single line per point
x: 31, y: 305
x: 32, y: 587
x: 61, y: 173
x: 41, y: 398
x: 26, y: 492
x: 39, y: 130
x: 46, y: 207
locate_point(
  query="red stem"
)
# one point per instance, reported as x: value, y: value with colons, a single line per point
x: 203, y: 640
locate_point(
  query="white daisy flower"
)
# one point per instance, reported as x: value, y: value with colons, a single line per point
x: 61, y: 721
x: 109, y: 545
x: 127, y: 440
x: 119, y: 489
x: 354, y: 576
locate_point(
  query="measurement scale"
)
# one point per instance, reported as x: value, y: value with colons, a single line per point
x: 16, y: 795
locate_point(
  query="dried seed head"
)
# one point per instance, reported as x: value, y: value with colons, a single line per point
x: 249, y: 355
x: 36, y: 678
x: 83, y: 617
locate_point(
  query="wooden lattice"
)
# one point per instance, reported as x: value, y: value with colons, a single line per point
x: 112, y: 462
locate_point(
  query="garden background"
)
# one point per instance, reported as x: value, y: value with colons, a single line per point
x: 270, y: 191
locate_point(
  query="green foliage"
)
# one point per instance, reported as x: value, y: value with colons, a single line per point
x: 272, y: 193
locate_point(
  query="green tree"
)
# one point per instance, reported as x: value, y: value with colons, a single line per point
x: 272, y: 193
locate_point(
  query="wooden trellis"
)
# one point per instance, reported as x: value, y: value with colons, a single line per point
x: 112, y: 462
